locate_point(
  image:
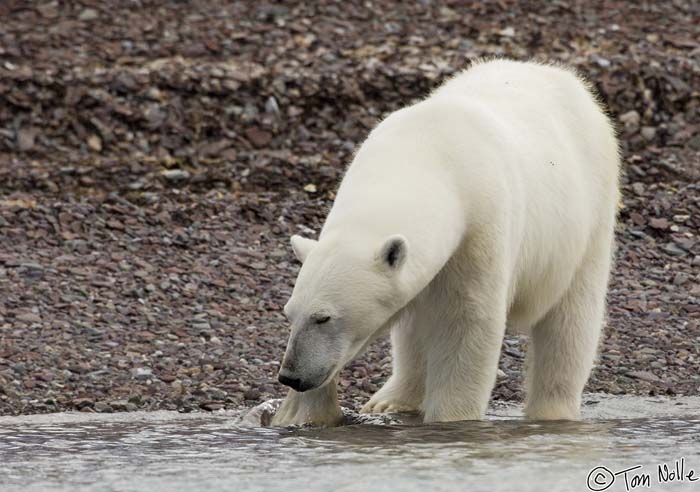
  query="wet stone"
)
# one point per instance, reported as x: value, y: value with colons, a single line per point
x: 103, y: 407
x: 81, y: 403
x: 122, y: 406
x: 211, y: 406
x: 644, y: 376
x: 251, y: 394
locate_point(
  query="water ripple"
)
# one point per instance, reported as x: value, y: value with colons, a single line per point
x: 168, y: 451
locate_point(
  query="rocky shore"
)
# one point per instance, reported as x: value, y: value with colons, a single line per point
x: 156, y: 156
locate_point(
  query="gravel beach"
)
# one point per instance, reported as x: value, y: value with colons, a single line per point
x: 156, y: 156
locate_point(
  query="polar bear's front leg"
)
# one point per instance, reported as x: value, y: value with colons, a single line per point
x: 316, y: 407
x: 465, y: 343
x: 462, y: 369
x: 404, y: 390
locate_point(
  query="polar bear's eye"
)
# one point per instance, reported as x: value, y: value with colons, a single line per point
x: 322, y: 319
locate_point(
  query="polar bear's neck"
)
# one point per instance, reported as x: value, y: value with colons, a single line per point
x: 396, y: 186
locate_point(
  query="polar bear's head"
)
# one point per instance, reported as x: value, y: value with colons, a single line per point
x: 345, y: 293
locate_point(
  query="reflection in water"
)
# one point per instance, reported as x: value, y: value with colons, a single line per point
x: 167, y: 451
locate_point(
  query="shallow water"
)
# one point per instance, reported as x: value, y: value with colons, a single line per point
x: 207, y: 452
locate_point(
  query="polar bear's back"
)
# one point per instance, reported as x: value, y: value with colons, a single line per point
x: 495, y: 72
x: 533, y: 89
x: 546, y: 113
x: 539, y: 94
x: 548, y: 85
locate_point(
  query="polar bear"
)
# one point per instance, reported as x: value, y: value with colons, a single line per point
x: 489, y: 206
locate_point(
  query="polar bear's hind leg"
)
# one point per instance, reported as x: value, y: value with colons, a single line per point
x: 564, y: 343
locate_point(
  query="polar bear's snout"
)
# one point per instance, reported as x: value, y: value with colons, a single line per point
x: 299, y: 382
x: 310, y: 359
x: 288, y: 375
x: 294, y: 383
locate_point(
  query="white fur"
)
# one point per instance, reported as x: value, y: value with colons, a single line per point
x: 318, y: 407
x: 502, y: 187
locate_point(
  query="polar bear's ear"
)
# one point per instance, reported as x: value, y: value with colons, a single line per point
x: 392, y: 254
x: 302, y: 247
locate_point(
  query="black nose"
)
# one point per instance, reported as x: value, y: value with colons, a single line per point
x: 294, y: 383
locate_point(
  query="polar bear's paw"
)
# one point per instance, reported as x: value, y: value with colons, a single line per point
x: 388, y: 407
x: 318, y: 407
x: 287, y: 417
x: 390, y: 400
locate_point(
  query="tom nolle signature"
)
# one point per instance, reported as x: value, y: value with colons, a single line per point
x: 602, y: 478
